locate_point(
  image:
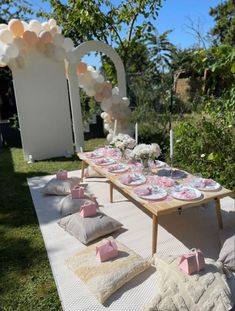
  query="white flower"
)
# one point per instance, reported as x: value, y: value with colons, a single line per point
x: 203, y: 155
x: 144, y: 151
x: 123, y: 141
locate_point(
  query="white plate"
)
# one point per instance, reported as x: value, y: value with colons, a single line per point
x: 139, y: 181
x: 176, y: 194
x: 214, y: 187
x: 94, y: 155
x: 108, y: 161
x: 159, y: 164
x: 122, y: 168
x: 158, y: 194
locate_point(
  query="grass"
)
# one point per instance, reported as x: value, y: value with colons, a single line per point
x: 26, y: 281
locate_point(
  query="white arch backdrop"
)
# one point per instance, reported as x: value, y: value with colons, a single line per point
x: 36, y: 53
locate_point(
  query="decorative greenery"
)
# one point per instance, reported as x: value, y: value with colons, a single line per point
x: 206, y: 145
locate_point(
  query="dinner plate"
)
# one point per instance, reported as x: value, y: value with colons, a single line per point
x: 94, y: 155
x: 139, y: 180
x: 156, y: 193
x: 180, y: 193
x: 200, y: 185
x: 105, y: 161
x: 120, y: 168
x: 176, y: 174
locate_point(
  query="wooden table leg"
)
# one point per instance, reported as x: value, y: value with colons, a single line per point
x: 218, y: 213
x: 154, y: 234
x: 111, y: 192
x: 83, y: 169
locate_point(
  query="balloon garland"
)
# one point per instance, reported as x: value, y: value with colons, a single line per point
x: 18, y: 37
x: 114, y: 106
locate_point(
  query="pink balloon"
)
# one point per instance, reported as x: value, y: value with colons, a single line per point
x: 16, y: 27
x: 82, y: 68
x: 30, y: 37
x: 45, y: 36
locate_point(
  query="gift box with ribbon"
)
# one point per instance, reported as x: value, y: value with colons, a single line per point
x: 106, y: 250
x: 192, y: 262
x: 78, y: 193
x: 88, y: 210
x: 62, y: 175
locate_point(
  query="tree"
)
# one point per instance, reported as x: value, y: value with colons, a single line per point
x: 116, y: 25
x: 14, y: 9
x: 224, y: 29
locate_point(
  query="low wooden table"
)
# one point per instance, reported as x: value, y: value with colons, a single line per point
x: 157, y: 208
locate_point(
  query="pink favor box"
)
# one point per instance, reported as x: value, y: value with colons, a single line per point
x: 192, y: 262
x: 88, y: 210
x: 78, y: 193
x: 62, y: 175
x: 106, y: 250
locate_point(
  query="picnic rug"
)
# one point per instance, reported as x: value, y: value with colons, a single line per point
x: 177, y: 233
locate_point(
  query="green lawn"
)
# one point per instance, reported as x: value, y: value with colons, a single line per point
x: 26, y: 281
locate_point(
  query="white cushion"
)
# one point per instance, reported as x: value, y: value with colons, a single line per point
x: 60, y: 187
x: 206, y: 290
x: 104, y: 278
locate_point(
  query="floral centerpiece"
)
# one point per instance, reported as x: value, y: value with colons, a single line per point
x: 123, y: 142
x: 145, y: 153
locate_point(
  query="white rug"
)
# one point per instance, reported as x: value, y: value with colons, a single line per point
x: 195, y: 227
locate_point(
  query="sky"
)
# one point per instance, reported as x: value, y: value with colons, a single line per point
x: 173, y: 15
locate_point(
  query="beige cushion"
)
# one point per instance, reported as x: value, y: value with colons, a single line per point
x: 90, y: 172
x: 103, y: 279
x: 61, y: 187
x: 227, y: 253
x: 89, y: 228
x: 207, y: 290
x: 70, y: 206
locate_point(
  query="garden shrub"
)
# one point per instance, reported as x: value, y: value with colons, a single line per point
x: 206, y: 146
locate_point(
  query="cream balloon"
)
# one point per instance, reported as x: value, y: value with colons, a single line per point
x: 95, y: 74
x: 45, y: 36
x: 82, y: 68
x: 6, y: 36
x: 53, y: 30
x: 20, y: 60
x: 11, y: 50
x: 16, y: 27
x: 46, y: 26
x: 26, y: 25
x: 115, y: 90
x: 109, y: 137
x: 125, y: 101
x: 105, y: 105
x: 35, y: 26
x: 3, y: 26
x: 98, y: 87
x: 90, y: 92
x: 4, y: 59
x: 40, y: 46
x: 68, y: 44
x: 116, y: 98
x: 100, y: 79
x: 58, y: 29
x: 90, y: 68
x: 103, y: 115
x: 58, y: 39
x: 59, y: 53
x: 20, y: 43
x: 52, y: 22
x: 30, y: 37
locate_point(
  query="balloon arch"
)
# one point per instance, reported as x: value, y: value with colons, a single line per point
x: 20, y: 42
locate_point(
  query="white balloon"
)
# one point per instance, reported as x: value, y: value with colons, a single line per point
x: 90, y: 68
x: 26, y: 25
x: 58, y: 39
x: 100, y: 79
x: 68, y: 44
x: 90, y: 92
x: 4, y: 59
x: 71, y: 57
x: 95, y: 74
x: 105, y: 106
x: 81, y: 80
x: 109, y: 137
x: 35, y: 26
x: 59, y: 53
x: 125, y: 101
x: 11, y: 50
x: 115, y: 90
x: 52, y: 22
x: 116, y: 98
x: 103, y: 115
x: 58, y: 29
x: 107, y: 127
x: 46, y: 26
x: 6, y: 36
x: 3, y: 26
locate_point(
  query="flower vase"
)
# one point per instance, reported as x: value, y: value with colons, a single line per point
x: 123, y: 156
x: 146, y: 167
